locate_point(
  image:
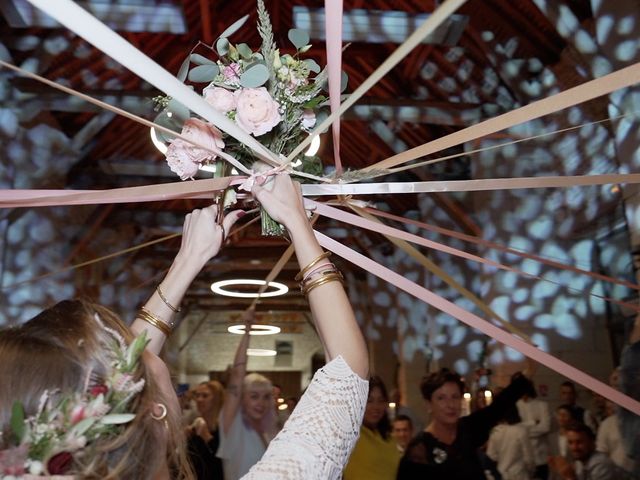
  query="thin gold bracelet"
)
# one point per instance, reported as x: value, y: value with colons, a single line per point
x: 318, y: 273
x: 154, y: 321
x: 166, y: 302
x: 331, y: 277
x: 322, y: 256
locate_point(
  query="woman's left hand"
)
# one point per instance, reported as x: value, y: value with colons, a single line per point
x: 202, y: 236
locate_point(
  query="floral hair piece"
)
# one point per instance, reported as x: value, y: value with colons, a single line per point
x: 46, y: 443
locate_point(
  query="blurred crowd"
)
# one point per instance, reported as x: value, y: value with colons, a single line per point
x: 508, y: 434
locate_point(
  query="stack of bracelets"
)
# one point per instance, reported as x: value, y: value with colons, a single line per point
x: 318, y: 273
x: 165, y: 327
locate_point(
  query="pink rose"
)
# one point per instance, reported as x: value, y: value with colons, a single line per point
x: 308, y: 118
x: 231, y: 73
x: 256, y: 112
x: 183, y: 158
x: 219, y: 98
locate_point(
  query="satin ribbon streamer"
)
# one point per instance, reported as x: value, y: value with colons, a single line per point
x: 333, y: 35
x: 478, y: 323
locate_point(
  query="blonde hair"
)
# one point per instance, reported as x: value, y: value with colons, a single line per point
x: 217, y: 390
x: 56, y: 351
x: 255, y: 381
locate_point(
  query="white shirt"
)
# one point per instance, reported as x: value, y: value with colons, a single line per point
x: 609, y: 442
x: 510, y: 447
x: 240, y: 448
x: 537, y: 419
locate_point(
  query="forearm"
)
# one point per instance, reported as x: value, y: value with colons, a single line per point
x: 175, y: 284
x: 330, y: 307
x: 233, y: 392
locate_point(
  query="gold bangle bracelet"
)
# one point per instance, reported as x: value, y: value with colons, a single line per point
x: 170, y: 323
x: 154, y: 321
x: 331, y: 277
x: 318, y: 274
x: 166, y: 302
x: 321, y: 282
x: 314, y: 262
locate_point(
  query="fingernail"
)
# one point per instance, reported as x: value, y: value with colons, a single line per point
x: 241, y: 213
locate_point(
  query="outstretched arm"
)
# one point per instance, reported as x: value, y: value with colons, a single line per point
x: 330, y: 307
x: 233, y: 392
x: 202, y: 239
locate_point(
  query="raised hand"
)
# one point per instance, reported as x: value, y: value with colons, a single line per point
x: 281, y: 197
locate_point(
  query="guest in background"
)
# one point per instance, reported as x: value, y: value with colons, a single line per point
x: 447, y: 449
x: 185, y: 398
x: 609, y: 441
x: 537, y: 420
x: 588, y: 464
x: 510, y: 447
x: 375, y: 456
x: 629, y: 423
x: 204, y: 432
x: 569, y: 396
x: 402, y: 431
x: 248, y: 418
x: 558, y: 444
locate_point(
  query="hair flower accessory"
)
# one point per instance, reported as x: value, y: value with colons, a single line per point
x: 275, y: 98
x: 45, y: 443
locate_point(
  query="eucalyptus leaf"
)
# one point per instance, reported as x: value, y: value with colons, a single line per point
x: 222, y: 46
x: 17, y: 421
x: 178, y: 111
x: 168, y: 122
x: 244, y: 51
x: 298, y: 37
x: 203, y: 73
x: 200, y: 60
x: 184, y: 69
x: 82, y: 426
x: 117, y: 418
x: 255, y: 77
x: 312, y: 65
x: 234, y: 27
x: 321, y: 116
x: 344, y: 81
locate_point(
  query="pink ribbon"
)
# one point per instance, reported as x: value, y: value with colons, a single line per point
x: 351, y: 219
x: 478, y: 323
x: 260, y: 178
x: 501, y: 248
x: 333, y: 33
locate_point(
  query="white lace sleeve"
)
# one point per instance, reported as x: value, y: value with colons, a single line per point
x: 317, y: 440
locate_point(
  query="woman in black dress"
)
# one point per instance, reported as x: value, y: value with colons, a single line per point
x: 448, y: 448
x: 204, y: 434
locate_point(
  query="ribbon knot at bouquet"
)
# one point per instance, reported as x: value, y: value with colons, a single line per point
x: 276, y: 97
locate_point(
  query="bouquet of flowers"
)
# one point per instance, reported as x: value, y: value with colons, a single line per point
x: 274, y: 97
